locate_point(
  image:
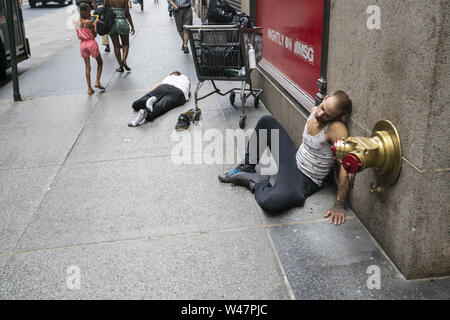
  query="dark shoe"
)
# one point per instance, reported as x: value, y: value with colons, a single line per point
x: 243, y: 175
x: 186, y: 50
x: 170, y: 14
x: 184, y: 120
x: 142, y: 116
x: 182, y: 47
x: 107, y: 49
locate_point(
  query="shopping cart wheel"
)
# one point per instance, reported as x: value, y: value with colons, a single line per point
x: 256, y: 102
x: 242, y: 120
x: 232, y: 98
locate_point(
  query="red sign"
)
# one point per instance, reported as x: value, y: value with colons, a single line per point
x: 292, y: 39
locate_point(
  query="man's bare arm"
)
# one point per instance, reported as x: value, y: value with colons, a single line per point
x: 175, y: 7
x: 337, y: 212
x: 155, y: 85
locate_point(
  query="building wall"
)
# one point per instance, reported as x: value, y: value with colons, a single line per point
x: 399, y: 73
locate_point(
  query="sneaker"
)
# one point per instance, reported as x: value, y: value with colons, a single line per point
x: 107, y: 49
x: 186, y: 50
x: 243, y: 175
x: 142, y: 116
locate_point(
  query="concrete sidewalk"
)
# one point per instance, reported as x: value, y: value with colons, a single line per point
x: 82, y: 191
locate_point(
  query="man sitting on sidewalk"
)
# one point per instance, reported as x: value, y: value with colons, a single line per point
x: 171, y: 92
x: 300, y: 172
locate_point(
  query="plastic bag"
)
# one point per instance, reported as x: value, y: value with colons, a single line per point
x: 243, y: 19
x: 219, y: 11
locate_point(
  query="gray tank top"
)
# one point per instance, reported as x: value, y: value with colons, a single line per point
x: 315, y: 157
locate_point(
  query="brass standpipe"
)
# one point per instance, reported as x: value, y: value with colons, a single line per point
x: 382, y: 151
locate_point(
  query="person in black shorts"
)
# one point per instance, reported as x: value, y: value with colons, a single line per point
x: 183, y: 16
x: 171, y: 92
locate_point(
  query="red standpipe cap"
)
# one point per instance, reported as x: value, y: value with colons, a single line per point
x: 351, y: 163
x: 333, y: 147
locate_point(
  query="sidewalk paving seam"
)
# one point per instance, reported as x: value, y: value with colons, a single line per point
x: 31, y: 167
x: 179, y: 235
x: 289, y: 290
x: 36, y: 211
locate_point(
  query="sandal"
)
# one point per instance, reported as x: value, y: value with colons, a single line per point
x: 125, y: 65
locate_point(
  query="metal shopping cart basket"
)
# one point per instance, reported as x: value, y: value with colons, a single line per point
x: 220, y: 53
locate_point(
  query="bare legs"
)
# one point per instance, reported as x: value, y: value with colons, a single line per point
x: 116, y: 44
x: 87, y: 62
x: 125, y: 39
x: 125, y: 47
x: 99, y: 72
x: 184, y: 37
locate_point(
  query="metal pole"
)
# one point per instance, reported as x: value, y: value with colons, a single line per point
x: 12, y: 48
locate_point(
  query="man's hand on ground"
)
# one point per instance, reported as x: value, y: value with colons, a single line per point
x: 337, y: 215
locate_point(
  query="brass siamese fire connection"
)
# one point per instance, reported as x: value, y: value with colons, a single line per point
x: 382, y: 151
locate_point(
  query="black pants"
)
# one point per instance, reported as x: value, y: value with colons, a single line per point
x: 167, y: 98
x: 292, y: 187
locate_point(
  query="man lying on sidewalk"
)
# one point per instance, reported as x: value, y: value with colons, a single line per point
x: 173, y: 91
x: 300, y: 172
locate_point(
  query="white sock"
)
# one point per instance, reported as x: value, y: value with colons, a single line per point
x: 149, y: 103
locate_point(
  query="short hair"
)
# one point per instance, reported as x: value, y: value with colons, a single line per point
x: 85, y: 7
x: 344, y: 103
x: 177, y: 73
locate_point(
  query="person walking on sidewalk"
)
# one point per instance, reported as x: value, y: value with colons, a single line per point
x: 86, y: 31
x: 121, y: 28
x: 105, y: 39
x: 300, y: 172
x: 173, y: 91
x: 141, y: 2
x: 170, y: 8
x: 182, y: 10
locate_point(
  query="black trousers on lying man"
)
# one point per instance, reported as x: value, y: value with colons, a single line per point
x: 171, y: 92
x: 300, y: 171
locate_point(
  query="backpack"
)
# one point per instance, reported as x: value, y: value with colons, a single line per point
x: 106, y: 18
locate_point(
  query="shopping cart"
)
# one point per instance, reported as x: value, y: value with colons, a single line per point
x: 220, y: 53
